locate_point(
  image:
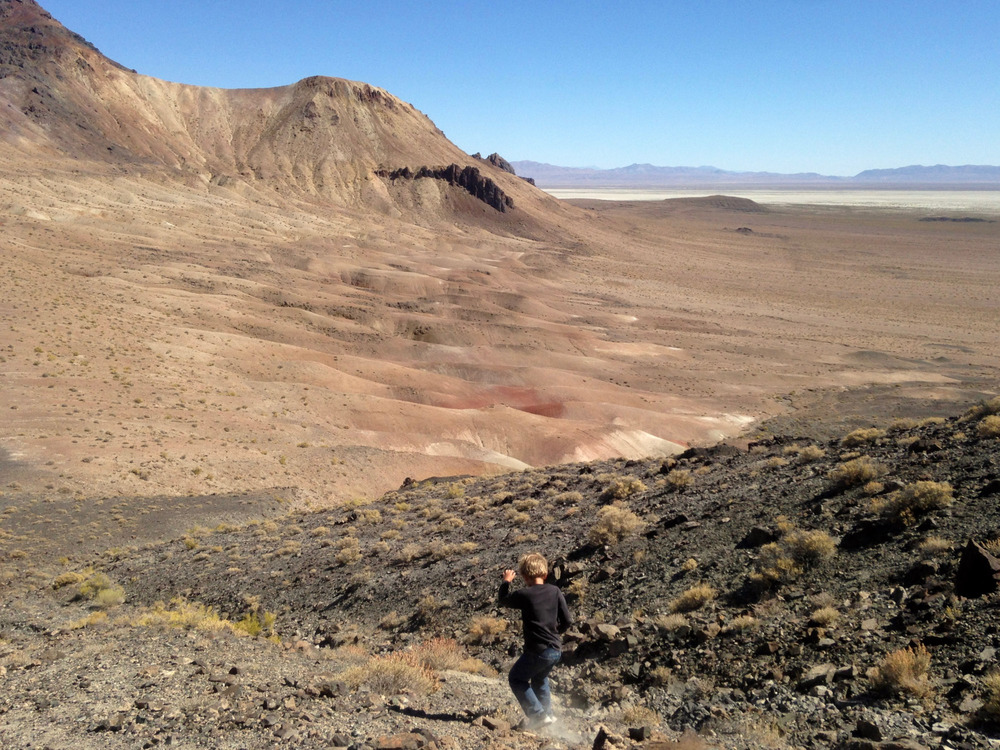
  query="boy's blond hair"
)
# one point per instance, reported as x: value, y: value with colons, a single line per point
x: 532, y: 566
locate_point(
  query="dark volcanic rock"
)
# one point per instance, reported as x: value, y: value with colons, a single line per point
x: 469, y: 178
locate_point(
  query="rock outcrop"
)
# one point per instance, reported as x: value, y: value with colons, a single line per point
x: 468, y: 178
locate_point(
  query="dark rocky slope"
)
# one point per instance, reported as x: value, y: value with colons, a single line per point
x: 821, y: 558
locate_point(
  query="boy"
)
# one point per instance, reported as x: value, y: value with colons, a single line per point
x: 545, y: 615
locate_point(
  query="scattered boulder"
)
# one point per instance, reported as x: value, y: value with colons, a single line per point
x: 978, y: 572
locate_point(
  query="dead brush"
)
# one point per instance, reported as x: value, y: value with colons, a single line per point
x: 903, y: 672
x: 485, y: 630
x: 392, y: 674
x: 854, y: 473
x: 614, y: 523
x: 914, y: 500
x: 694, y: 598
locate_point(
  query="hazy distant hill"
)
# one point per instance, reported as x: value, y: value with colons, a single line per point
x: 650, y: 176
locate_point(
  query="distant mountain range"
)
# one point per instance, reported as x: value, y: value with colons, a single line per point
x: 650, y: 176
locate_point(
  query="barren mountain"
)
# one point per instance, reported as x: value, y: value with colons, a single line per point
x: 311, y: 288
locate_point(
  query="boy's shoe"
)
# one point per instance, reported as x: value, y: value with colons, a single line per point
x: 548, y: 719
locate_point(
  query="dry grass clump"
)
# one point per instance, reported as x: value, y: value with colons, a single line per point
x: 914, y: 500
x: 903, y: 672
x: 618, y: 488
x: 809, y: 453
x: 933, y: 546
x: 824, y: 617
x: 679, y: 478
x: 856, y: 472
x: 742, y: 624
x: 195, y: 616
x: 991, y: 696
x: 445, y: 653
x: 614, y: 523
x: 795, y: 552
x: 694, y: 598
x: 70, y: 578
x: 568, y: 498
x: 392, y: 674
x: 984, y: 409
x: 989, y: 427
x: 862, y: 436
x: 639, y: 716
x: 485, y: 630
x: 670, y: 623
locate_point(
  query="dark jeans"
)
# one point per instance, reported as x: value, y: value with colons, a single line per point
x: 529, y: 679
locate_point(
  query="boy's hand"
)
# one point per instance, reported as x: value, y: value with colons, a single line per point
x: 509, y: 575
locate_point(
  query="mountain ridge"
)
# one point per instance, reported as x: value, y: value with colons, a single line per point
x: 649, y: 175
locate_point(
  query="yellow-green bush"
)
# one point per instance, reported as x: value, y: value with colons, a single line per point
x: 614, y: 523
x: 903, y: 672
x: 914, y: 500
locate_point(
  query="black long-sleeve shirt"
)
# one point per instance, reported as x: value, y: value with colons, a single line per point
x: 544, y: 614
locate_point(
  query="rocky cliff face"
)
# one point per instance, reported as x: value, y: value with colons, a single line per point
x: 469, y: 178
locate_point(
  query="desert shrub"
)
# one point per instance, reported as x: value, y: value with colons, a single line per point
x: 254, y: 624
x: 742, y: 624
x: 98, y: 589
x: 639, y: 716
x: 862, y: 436
x: 794, y: 553
x: 989, y: 427
x: 614, y: 523
x: 903, y: 423
x: 671, y: 622
x: 914, y: 500
x: 94, y: 618
x: 619, y: 488
x: 903, y: 672
x: 445, y: 653
x: 991, y: 696
x: 450, y: 523
x: 409, y: 553
x: 392, y: 674
x: 455, y: 490
x: 694, y: 598
x: 983, y: 409
x: 689, y: 565
x: 856, y: 472
x: 679, y: 478
x: 775, y: 462
x: 485, y: 630
x: 809, y: 548
x: 992, y: 546
x: 933, y: 546
x: 809, y: 454
x: 824, y: 617
x: 70, y: 578
x: 391, y: 621
x: 568, y: 498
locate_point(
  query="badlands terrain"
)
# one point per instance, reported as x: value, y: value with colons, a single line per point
x: 234, y: 320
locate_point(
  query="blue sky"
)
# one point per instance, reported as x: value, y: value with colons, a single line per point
x: 829, y: 86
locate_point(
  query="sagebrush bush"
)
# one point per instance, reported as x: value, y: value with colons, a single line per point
x: 989, y: 427
x: 862, y: 436
x: 810, y: 453
x: 984, y: 409
x: 903, y: 672
x: 914, y: 500
x: 824, y: 617
x: 620, y: 488
x: 991, y: 696
x: 392, y: 674
x: 694, y: 598
x: 614, y: 523
x: 671, y: 622
x: 445, y: 653
x: 485, y: 630
x: 679, y: 478
x: 856, y: 472
x: 795, y: 552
